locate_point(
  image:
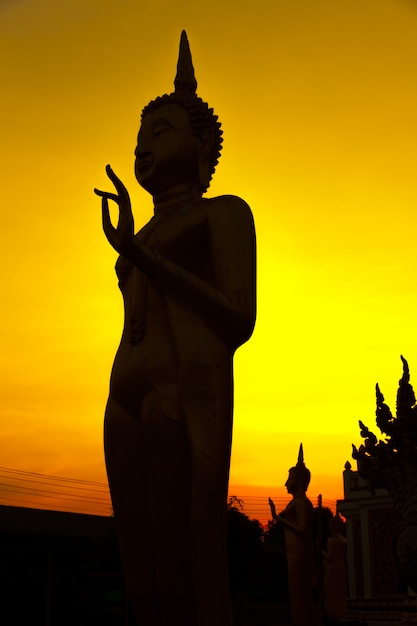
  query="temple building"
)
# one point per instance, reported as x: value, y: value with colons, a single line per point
x: 376, y: 589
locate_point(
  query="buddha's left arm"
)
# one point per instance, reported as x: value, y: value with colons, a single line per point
x: 233, y: 249
x: 290, y: 525
x: 302, y: 525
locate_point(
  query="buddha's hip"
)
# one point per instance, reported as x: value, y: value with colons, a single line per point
x: 138, y: 374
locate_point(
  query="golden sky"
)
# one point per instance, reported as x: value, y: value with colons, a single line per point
x: 318, y: 103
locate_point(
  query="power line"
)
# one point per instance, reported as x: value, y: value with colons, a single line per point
x: 37, y: 490
x: 48, y: 489
x: 6, y: 486
x: 41, y: 505
x: 33, y: 480
x: 52, y: 477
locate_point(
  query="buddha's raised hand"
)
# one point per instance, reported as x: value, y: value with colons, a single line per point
x: 272, y: 507
x: 122, y: 237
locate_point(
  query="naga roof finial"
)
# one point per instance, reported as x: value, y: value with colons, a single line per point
x: 406, y: 398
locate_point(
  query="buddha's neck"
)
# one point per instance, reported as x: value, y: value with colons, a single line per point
x: 298, y: 493
x: 176, y: 198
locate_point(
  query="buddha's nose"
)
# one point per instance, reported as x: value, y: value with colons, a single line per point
x: 142, y: 151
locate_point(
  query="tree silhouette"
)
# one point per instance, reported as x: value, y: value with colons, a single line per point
x: 244, y: 548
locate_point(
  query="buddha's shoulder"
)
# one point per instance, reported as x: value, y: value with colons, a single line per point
x: 228, y: 205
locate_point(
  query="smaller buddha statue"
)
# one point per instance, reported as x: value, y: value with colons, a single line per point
x: 335, y: 572
x: 297, y: 520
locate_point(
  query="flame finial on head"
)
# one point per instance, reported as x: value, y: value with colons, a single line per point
x: 300, y: 470
x: 185, y: 79
x: 301, y: 454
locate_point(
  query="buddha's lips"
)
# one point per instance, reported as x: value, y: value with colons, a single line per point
x: 144, y: 165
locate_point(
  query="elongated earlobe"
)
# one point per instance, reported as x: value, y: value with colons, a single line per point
x: 204, y: 173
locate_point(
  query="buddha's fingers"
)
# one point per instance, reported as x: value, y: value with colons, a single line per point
x: 123, y: 194
x: 107, y: 194
x: 108, y: 227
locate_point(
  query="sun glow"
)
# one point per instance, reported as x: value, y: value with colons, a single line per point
x: 318, y: 110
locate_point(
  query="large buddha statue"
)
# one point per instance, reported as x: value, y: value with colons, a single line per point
x: 188, y: 284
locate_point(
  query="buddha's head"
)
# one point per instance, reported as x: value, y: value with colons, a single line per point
x: 179, y: 141
x: 298, y: 476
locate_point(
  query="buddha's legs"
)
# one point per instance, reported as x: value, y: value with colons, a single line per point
x: 209, y: 540
x: 304, y: 612
x: 209, y: 427
x: 149, y: 469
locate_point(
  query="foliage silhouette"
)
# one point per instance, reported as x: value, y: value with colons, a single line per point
x: 244, y: 549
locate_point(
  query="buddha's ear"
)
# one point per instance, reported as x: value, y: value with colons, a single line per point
x: 206, y: 143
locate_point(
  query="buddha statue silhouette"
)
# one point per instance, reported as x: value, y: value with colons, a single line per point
x: 188, y: 284
x: 297, y: 520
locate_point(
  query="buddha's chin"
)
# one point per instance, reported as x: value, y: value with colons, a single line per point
x: 144, y: 186
x: 157, y: 186
x: 146, y: 182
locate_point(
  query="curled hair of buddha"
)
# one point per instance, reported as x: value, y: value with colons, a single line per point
x: 201, y: 116
x: 301, y: 471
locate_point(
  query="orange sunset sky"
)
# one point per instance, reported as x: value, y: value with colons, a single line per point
x: 318, y: 101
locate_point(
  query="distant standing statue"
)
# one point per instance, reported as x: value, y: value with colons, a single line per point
x: 392, y: 464
x: 188, y: 283
x: 297, y: 520
x: 335, y: 572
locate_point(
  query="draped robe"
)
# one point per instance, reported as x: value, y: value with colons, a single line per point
x: 168, y: 423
